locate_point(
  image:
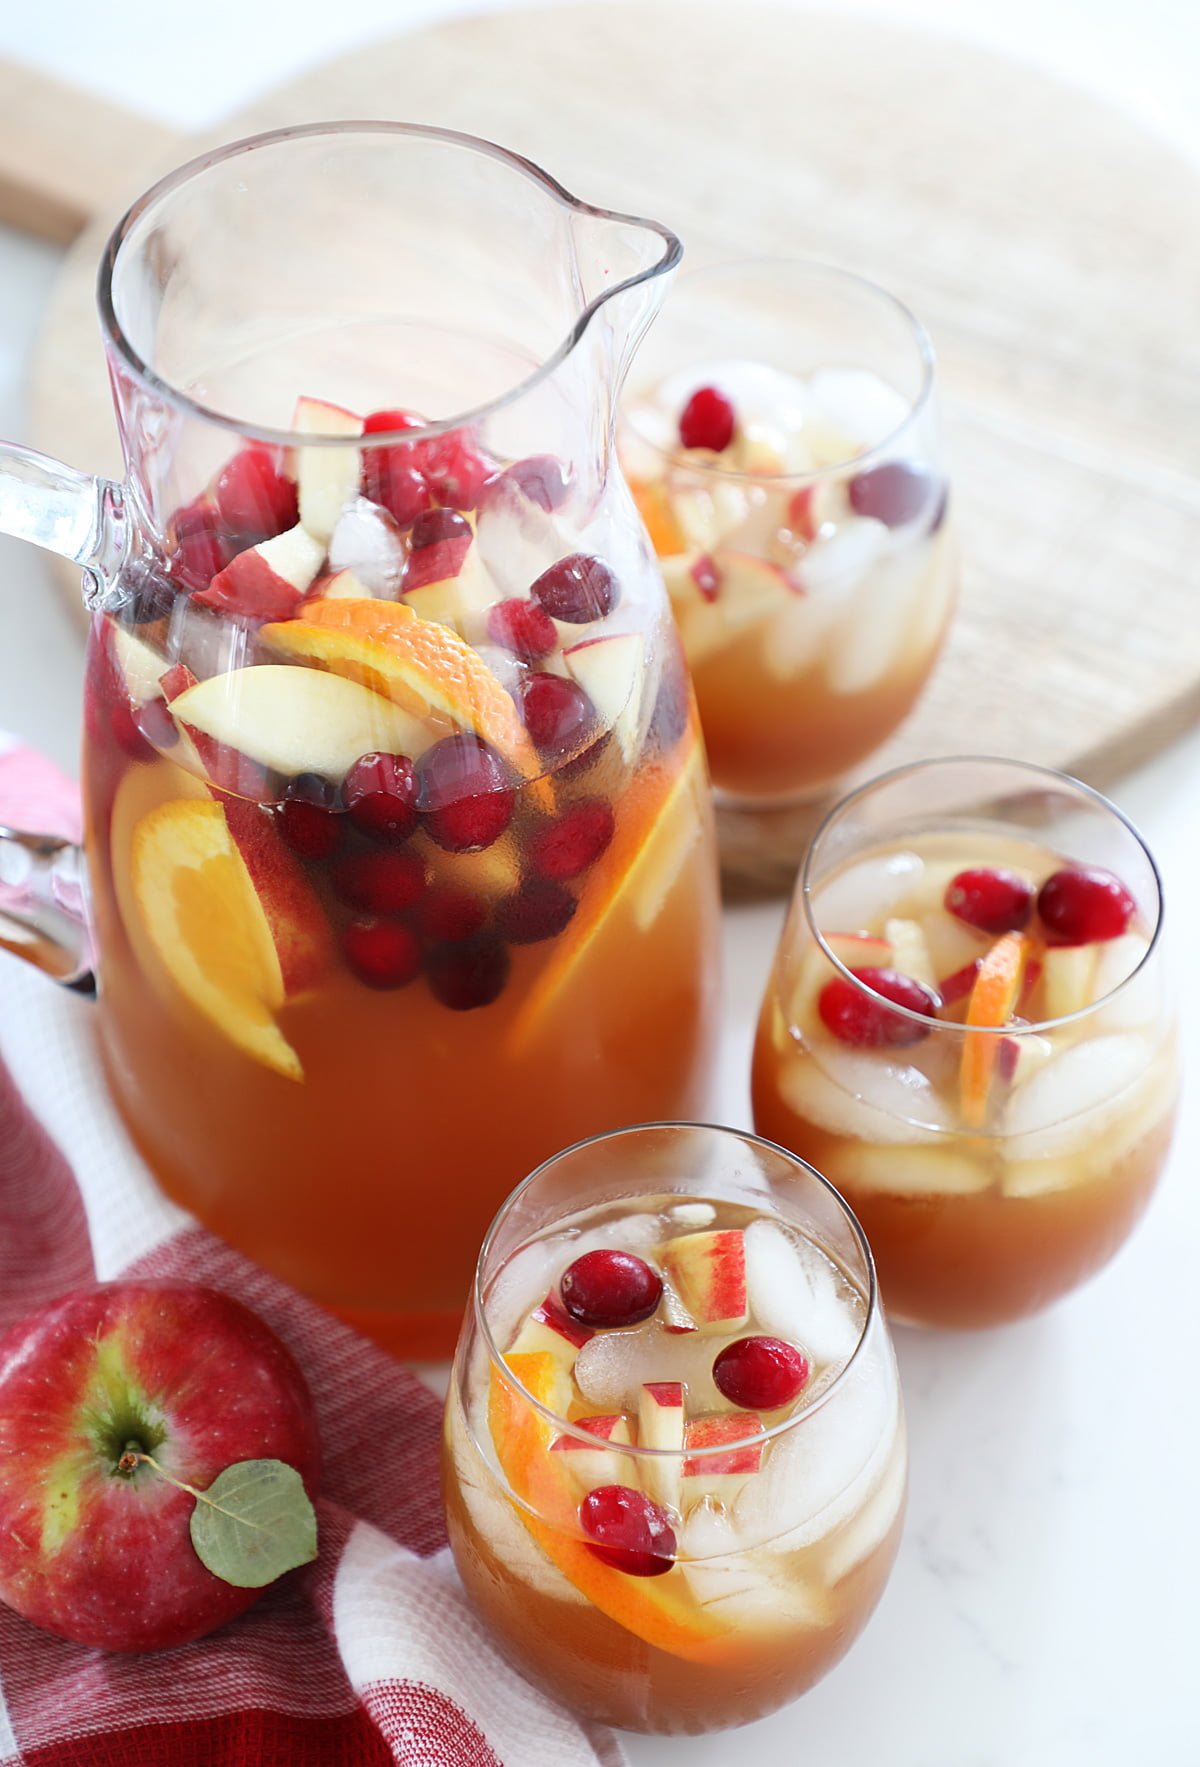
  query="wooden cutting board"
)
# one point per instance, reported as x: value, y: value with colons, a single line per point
x: 1042, y: 236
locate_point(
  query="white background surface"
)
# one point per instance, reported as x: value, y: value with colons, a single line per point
x: 1043, y: 1611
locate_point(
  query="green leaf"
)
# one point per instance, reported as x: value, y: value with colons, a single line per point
x: 253, y: 1523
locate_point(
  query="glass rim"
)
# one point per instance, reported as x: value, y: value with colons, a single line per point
x: 784, y: 1425
x: 821, y: 474
x: 931, y: 1022
x: 168, y: 393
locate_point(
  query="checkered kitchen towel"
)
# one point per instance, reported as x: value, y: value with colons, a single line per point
x: 370, y: 1656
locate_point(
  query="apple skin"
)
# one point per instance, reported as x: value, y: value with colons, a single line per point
x: 104, y: 1558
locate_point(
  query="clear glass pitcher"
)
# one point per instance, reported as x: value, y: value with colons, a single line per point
x: 399, y: 852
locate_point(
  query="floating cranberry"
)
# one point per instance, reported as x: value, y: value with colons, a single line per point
x: 538, y: 910
x: 253, y: 498
x: 1083, y: 903
x: 628, y: 1531
x: 707, y: 420
x: 542, y: 478
x: 465, y: 793
x: 855, y: 1016
x: 609, y: 1288
x: 381, y: 883
x: 577, y: 589
x: 991, y: 898
x: 468, y: 975
x: 201, y: 547
x: 448, y: 913
x: 760, y: 1373
x: 310, y: 830
x: 154, y: 720
x: 382, y: 423
x: 382, y: 953
x: 567, y: 847
x: 558, y: 714
x: 381, y: 797
x: 390, y: 479
x: 524, y: 627
x: 453, y: 468
x: 894, y: 493
x: 434, y: 525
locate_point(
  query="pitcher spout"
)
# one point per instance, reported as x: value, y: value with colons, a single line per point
x: 625, y: 266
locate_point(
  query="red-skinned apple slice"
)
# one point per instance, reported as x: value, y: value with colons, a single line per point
x: 749, y: 591
x: 140, y: 664
x: 295, y: 720
x: 326, y: 478
x: 460, y: 602
x: 341, y: 585
x: 708, y: 1272
x: 1066, y: 979
x: 611, y: 669
x: 590, y: 1465
x: 266, y: 581
x: 661, y: 1425
x: 721, y: 1457
x: 910, y: 950
x: 551, y: 1329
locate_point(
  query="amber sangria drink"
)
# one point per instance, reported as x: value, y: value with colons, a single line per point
x: 675, y: 1454
x: 786, y: 461
x: 969, y: 1027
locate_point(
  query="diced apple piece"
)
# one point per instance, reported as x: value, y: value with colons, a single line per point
x: 492, y: 873
x: 748, y: 591
x: 661, y: 1425
x: 140, y: 664
x: 266, y: 581
x: 341, y: 586
x: 907, y: 1171
x: 326, y: 478
x: 460, y: 602
x: 611, y: 670
x: 294, y: 720
x: 855, y: 950
x: 550, y: 1328
x: 590, y: 1466
x: 1020, y: 1056
x: 1067, y: 979
x: 674, y: 1314
x: 910, y: 950
x: 719, y: 1468
x: 708, y: 1271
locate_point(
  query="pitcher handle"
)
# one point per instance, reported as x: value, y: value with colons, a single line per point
x: 43, y: 906
x: 72, y: 513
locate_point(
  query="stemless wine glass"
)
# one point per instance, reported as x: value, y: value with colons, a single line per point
x: 783, y: 445
x: 969, y: 1027
x: 675, y: 1453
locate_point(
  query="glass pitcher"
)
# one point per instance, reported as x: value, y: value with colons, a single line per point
x: 399, y: 851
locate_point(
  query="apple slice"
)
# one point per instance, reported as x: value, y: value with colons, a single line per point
x: 590, y: 1466
x: 1019, y: 1057
x: 294, y: 720
x: 1067, y: 979
x: 724, y: 1457
x: 749, y: 592
x: 551, y: 1330
x: 910, y: 950
x: 708, y: 1271
x: 299, y: 929
x: 611, y: 670
x: 266, y: 581
x: 460, y: 602
x: 326, y: 478
x: 141, y: 666
x: 343, y: 585
x: 661, y: 1425
x: 233, y: 944
x: 906, y: 1171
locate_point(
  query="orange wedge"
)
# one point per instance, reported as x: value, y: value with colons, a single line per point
x: 654, y: 507
x: 660, y: 819
x: 420, y: 665
x: 660, y: 1610
x: 993, y: 997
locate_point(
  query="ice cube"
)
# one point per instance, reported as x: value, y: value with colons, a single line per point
x: 869, y: 1097
x: 858, y: 405
x: 1139, y: 1002
x: 521, y: 1285
x: 747, y: 1589
x: 1076, y: 1093
x: 693, y: 1214
x: 793, y: 639
x: 367, y: 541
x: 517, y: 540
x: 613, y: 1366
x: 873, y: 631
x: 796, y: 1294
x: 874, y: 1522
x: 836, y: 563
x: 498, y: 1523
x: 862, y: 895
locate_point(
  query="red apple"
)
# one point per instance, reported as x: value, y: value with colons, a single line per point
x: 182, y: 1373
x: 708, y: 1271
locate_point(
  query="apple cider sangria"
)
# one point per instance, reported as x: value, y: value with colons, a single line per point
x: 396, y: 801
x: 797, y: 504
x: 969, y: 1028
x: 675, y: 1453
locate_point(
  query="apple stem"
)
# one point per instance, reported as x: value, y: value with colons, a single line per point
x: 133, y: 1457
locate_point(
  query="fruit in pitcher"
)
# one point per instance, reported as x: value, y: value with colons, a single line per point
x: 326, y: 477
x: 577, y: 589
x: 266, y: 582
x: 95, y: 1545
x: 253, y: 497
x: 610, y: 670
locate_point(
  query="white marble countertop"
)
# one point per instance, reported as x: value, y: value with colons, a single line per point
x: 1043, y: 1610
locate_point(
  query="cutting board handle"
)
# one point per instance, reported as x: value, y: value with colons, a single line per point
x: 66, y: 155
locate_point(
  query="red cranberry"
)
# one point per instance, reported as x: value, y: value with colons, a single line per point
x: 201, y: 549
x: 309, y: 830
x: 433, y: 525
x: 567, y: 847
x: 577, y: 589
x: 991, y: 898
x: 467, y: 975
x: 761, y: 1374
x: 440, y: 540
x: 382, y: 423
x: 381, y: 796
x: 382, y: 953
x: 156, y: 724
x: 542, y: 478
x: 855, y: 1016
x: 629, y: 1531
x: 253, y: 497
x: 448, y: 913
x: 1083, y: 903
x: 893, y: 493
x: 390, y: 479
x: 453, y: 468
x: 558, y: 714
x: 609, y: 1288
x: 465, y: 793
x: 381, y: 883
x: 539, y: 910
x: 707, y: 420
x: 523, y: 627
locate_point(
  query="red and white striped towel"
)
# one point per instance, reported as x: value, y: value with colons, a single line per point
x: 370, y: 1656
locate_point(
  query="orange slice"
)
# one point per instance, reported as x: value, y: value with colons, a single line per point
x: 993, y: 997
x: 420, y: 665
x: 654, y: 507
x: 659, y: 820
x: 660, y: 1610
